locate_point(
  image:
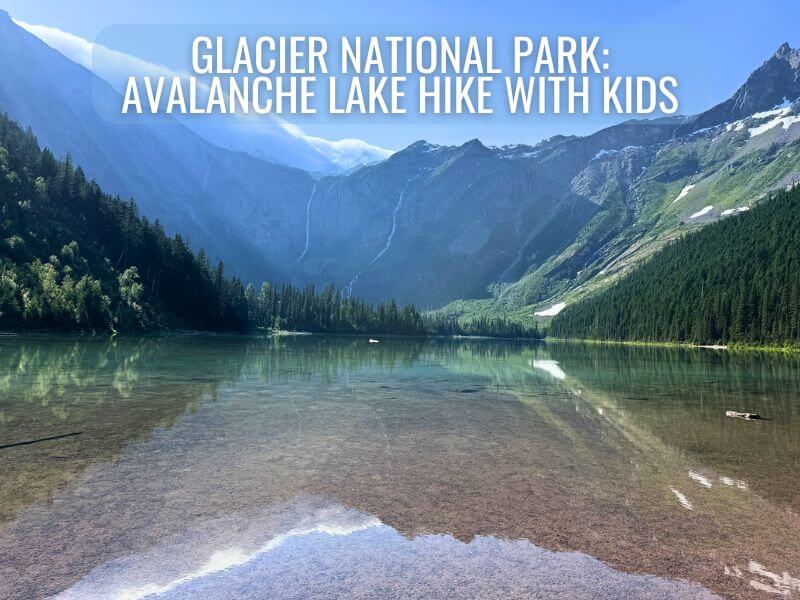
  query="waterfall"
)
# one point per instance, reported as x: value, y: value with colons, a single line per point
x: 388, y: 242
x: 208, y: 172
x: 308, y: 223
x: 352, y: 282
x: 394, y: 228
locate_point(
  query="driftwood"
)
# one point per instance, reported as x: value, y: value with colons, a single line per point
x: 45, y: 439
x: 741, y: 415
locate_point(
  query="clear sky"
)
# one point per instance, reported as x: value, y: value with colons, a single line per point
x: 710, y: 46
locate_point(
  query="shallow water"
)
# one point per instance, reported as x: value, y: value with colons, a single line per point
x: 218, y: 467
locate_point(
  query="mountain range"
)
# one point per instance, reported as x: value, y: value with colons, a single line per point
x: 269, y: 138
x: 515, y: 230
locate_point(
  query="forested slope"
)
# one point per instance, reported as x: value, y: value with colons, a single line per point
x: 72, y: 257
x: 737, y: 280
x: 75, y: 258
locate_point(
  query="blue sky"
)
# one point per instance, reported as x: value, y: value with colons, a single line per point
x: 710, y: 47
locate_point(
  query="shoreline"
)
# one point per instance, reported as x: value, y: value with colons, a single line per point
x: 732, y: 347
x: 248, y: 334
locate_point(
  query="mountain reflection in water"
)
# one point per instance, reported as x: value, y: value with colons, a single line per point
x: 219, y: 466
x: 311, y: 549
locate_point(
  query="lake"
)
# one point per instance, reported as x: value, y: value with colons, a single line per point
x: 317, y: 467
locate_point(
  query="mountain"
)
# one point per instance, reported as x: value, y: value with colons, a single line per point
x: 433, y: 223
x: 737, y: 280
x: 772, y: 84
x: 190, y: 185
x: 265, y: 137
x: 253, y: 213
x: 523, y: 229
x: 74, y: 258
x: 702, y: 168
x: 273, y: 140
x: 486, y: 231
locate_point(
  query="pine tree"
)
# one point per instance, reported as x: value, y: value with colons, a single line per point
x: 735, y: 281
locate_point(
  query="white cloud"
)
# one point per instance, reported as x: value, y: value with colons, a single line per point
x: 347, y: 153
x: 272, y: 139
x: 112, y: 66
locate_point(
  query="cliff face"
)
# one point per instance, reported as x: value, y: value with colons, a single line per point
x: 773, y: 83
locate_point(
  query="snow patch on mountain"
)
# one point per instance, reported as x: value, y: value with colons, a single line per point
x: 703, y: 211
x: 684, y: 192
x: 778, y: 114
x: 603, y: 153
x: 733, y: 211
x: 428, y: 147
x: 515, y: 151
x: 786, y: 121
x: 552, y: 311
x: 775, y: 112
x: 701, y: 131
x: 612, y: 152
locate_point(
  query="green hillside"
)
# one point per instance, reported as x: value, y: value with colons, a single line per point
x: 724, y: 168
x: 736, y: 280
x: 72, y: 257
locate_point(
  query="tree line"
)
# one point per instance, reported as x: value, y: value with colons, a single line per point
x: 75, y: 258
x: 483, y: 327
x: 734, y: 281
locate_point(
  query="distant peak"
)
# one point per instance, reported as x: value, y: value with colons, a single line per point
x: 788, y: 54
x: 422, y: 145
x: 474, y: 143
